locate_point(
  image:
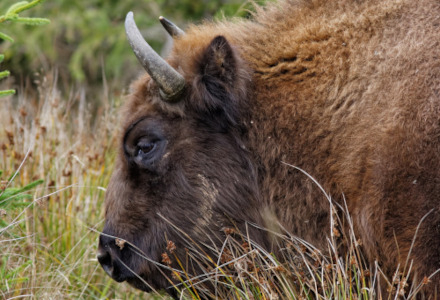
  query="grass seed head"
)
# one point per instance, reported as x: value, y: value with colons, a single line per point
x: 317, y: 263
x: 353, y: 261
x: 120, y: 243
x: 166, y: 259
x: 425, y: 280
x: 246, y: 247
x: 396, y: 278
x: 281, y: 269
x: 171, y: 247
x: 226, y: 256
x: 336, y: 232
x: 10, y: 136
x: 3, y: 185
x: 229, y: 230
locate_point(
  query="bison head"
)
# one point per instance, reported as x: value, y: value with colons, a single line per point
x: 183, y: 171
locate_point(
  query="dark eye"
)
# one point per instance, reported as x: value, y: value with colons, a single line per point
x: 145, y: 145
x: 145, y: 148
x: 148, y: 152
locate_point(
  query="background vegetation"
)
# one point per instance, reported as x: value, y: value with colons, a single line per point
x: 86, y: 39
x: 57, y: 147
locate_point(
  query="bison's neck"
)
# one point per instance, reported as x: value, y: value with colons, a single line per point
x: 307, y: 110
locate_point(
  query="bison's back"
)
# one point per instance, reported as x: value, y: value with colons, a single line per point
x: 353, y: 98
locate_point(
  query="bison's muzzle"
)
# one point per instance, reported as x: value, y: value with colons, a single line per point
x: 116, y: 257
x: 109, y: 256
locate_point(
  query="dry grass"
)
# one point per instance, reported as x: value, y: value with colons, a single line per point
x: 48, y: 249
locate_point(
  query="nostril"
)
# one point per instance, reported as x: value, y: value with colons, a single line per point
x: 110, y: 256
x: 105, y: 260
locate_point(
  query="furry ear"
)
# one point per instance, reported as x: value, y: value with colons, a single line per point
x: 216, y: 84
x: 219, y: 61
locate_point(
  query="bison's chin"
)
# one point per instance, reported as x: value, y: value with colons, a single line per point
x: 139, y: 284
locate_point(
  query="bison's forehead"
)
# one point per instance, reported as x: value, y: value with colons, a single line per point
x: 144, y: 101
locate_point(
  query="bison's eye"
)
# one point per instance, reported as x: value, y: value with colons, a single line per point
x: 145, y: 148
x: 147, y: 152
x: 145, y: 144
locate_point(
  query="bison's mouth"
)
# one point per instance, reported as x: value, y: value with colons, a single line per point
x: 120, y: 272
x: 113, y: 266
x: 111, y: 257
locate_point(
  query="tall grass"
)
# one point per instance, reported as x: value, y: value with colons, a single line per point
x: 48, y: 247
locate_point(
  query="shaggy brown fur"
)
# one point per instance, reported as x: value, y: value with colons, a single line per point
x: 348, y: 91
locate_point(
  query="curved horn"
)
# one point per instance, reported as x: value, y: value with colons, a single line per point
x: 171, y: 28
x: 171, y: 83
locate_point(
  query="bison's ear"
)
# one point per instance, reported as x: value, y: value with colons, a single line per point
x: 218, y: 62
x: 216, y: 83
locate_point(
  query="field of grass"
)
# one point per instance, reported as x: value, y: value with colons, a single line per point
x: 48, y: 240
x: 56, y: 157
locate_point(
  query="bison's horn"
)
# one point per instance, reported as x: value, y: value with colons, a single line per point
x: 171, y: 28
x: 171, y: 83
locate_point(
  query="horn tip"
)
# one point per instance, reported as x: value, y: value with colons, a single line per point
x: 171, y: 28
x: 129, y: 21
x: 165, y: 23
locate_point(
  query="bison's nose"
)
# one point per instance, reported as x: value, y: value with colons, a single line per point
x: 105, y: 259
x: 109, y: 256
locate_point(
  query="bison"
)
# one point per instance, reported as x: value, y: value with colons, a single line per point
x: 346, y: 90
